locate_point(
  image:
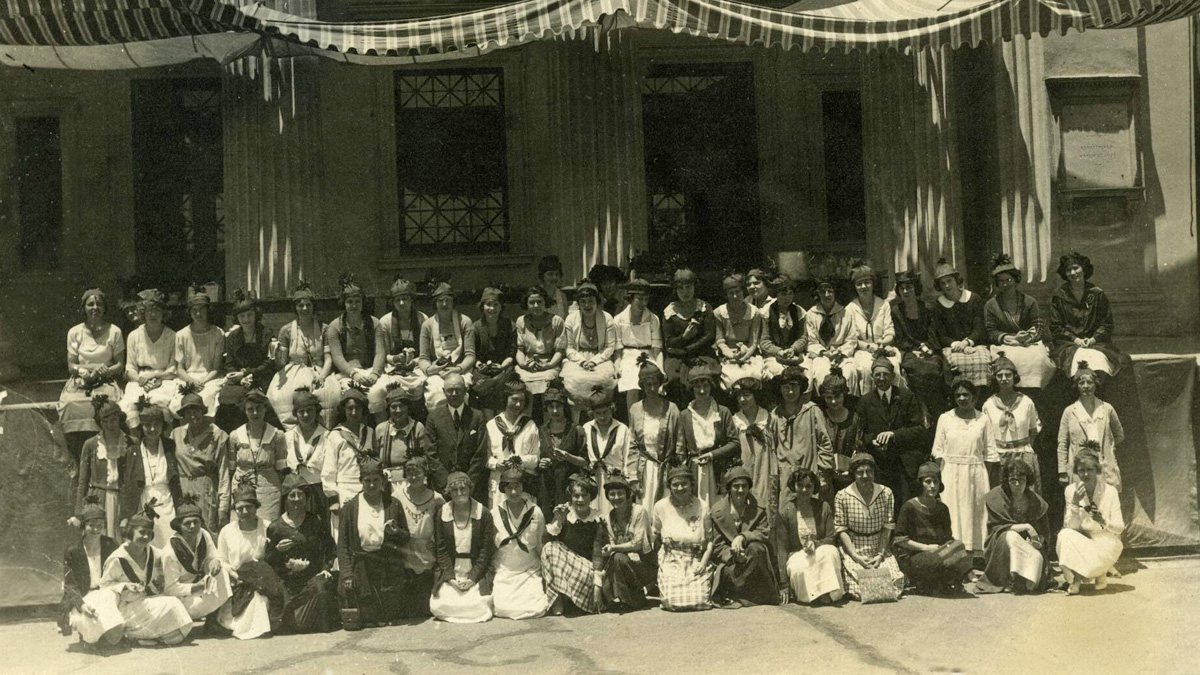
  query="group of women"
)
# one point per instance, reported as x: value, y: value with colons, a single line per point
x: 240, y: 480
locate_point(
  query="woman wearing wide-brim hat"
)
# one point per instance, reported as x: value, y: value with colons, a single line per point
x: 1016, y: 325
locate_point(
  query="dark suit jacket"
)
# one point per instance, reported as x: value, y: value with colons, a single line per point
x: 903, y: 416
x: 483, y: 547
x: 133, y: 478
x: 349, y: 547
x: 755, y: 528
x: 459, y: 449
x: 77, y: 576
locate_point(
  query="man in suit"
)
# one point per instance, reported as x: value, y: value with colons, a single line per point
x: 458, y: 438
x: 894, y: 431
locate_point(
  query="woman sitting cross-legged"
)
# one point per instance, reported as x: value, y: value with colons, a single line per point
x: 1017, y: 531
x: 466, y: 542
x: 814, y: 563
x: 193, y: 572
x: 742, y: 546
x: 135, y: 573
x: 301, y: 551
x: 371, y: 531
x: 928, y: 553
x: 87, y: 608
x: 571, y: 560
x: 518, y: 591
x: 680, y: 527
x: 1090, y: 542
x: 258, y: 594
x: 628, y: 561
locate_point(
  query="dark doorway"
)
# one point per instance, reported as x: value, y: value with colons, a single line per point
x: 178, y: 182
x: 701, y: 148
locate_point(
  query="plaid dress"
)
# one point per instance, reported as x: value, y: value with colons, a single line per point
x: 566, y: 563
x: 864, y: 521
x: 953, y: 321
x: 685, y: 534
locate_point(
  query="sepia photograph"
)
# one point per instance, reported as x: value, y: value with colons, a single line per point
x: 353, y: 337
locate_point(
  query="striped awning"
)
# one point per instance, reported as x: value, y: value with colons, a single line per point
x: 809, y: 24
x: 175, y: 30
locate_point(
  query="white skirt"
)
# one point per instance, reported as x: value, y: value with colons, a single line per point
x: 161, y: 396
x: 149, y: 618
x: 819, y: 367
x: 1033, y: 363
x: 414, y: 383
x: 815, y: 574
x: 435, y: 390
x: 772, y: 367
x: 1096, y: 360
x: 732, y: 372
x: 208, y: 394
x: 966, y: 485
x: 1089, y: 556
x: 454, y: 606
x: 215, y: 594
x: 628, y: 368
x: 651, y: 485
x: 254, y: 622
x: 862, y: 363
x: 105, y: 603
x: 1024, y: 560
x: 536, y: 382
x: 579, y: 382
x: 519, y: 594
x: 292, y: 377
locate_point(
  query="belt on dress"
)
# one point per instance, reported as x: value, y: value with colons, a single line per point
x: 104, y: 487
x: 465, y: 556
x: 864, y: 534
x: 1013, y: 445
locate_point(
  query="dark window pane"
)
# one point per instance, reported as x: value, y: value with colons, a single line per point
x: 451, y: 162
x: 845, y: 189
x: 39, y: 191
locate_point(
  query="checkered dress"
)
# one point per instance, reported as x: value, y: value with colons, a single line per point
x: 570, y: 574
x: 863, y: 523
x: 974, y: 365
x: 684, y: 535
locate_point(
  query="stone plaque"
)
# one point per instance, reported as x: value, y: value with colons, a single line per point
x: 1098, y: 144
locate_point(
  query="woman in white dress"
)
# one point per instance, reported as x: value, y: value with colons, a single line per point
x: 1089, y: 423
x: 241, y: 547
x: 199, y: 355
x: 86, y: 608
x: 607, y: 440
x: 1090, y: 542
x: 304, y: 361
x: 830, y: 333
x: 153, y: 466
x: 1013, y: 422
x: 871, y: 322
x: 591, y: 339
x: 961, y: 447
x: 465, y: 543
x: 639, y: 331
x: 814, y: 563
x: 95, y: 357
x: 518, y: 591
x: 135, y: 573
x: 193, y: 572
x: 149, y: 360
x: 349, y: 441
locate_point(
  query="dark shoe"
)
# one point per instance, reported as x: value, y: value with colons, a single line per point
x: 726, y: 603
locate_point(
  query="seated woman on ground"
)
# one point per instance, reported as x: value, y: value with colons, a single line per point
x: 813, y: 562
x: 1017, y: 534
x: 371, y: 531
x: 682, y: 533
x: 86, y: 608
x: 300, y: 549
x: 925, y: 547
x: 1090, y: 542
x: 628, y: 561
x: 193, y: 572
x: 863, y: 518
x: 571, y: 560
x: 135, y: 573
x: 465, y: 542
x: 742, y: 546
x: 518, y: 587
x: 255, y: 608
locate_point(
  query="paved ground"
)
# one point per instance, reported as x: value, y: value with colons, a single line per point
x: 1144, y: 623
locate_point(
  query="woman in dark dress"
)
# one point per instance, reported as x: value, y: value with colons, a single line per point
x: 248, y: 358
x: 629, y: 563
x: 920, y: 359
x: 924, y: 545
x: 843, y: 425
x: 689, y: 331
x: 742, y: 546
x: 1017, y: 534
x: 301, y: 551
x: 562, y: 443
x: 957, y: 326
x: 1081, y: 321
x: 372, y: 531
x: 495, y: 354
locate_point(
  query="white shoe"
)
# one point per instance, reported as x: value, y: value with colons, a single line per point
x: 1101, y: 582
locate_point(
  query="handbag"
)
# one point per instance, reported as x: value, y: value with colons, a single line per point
x: 875, y: 586
x: 951, y: 552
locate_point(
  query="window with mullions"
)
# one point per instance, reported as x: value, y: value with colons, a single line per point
x: 451, y: 162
